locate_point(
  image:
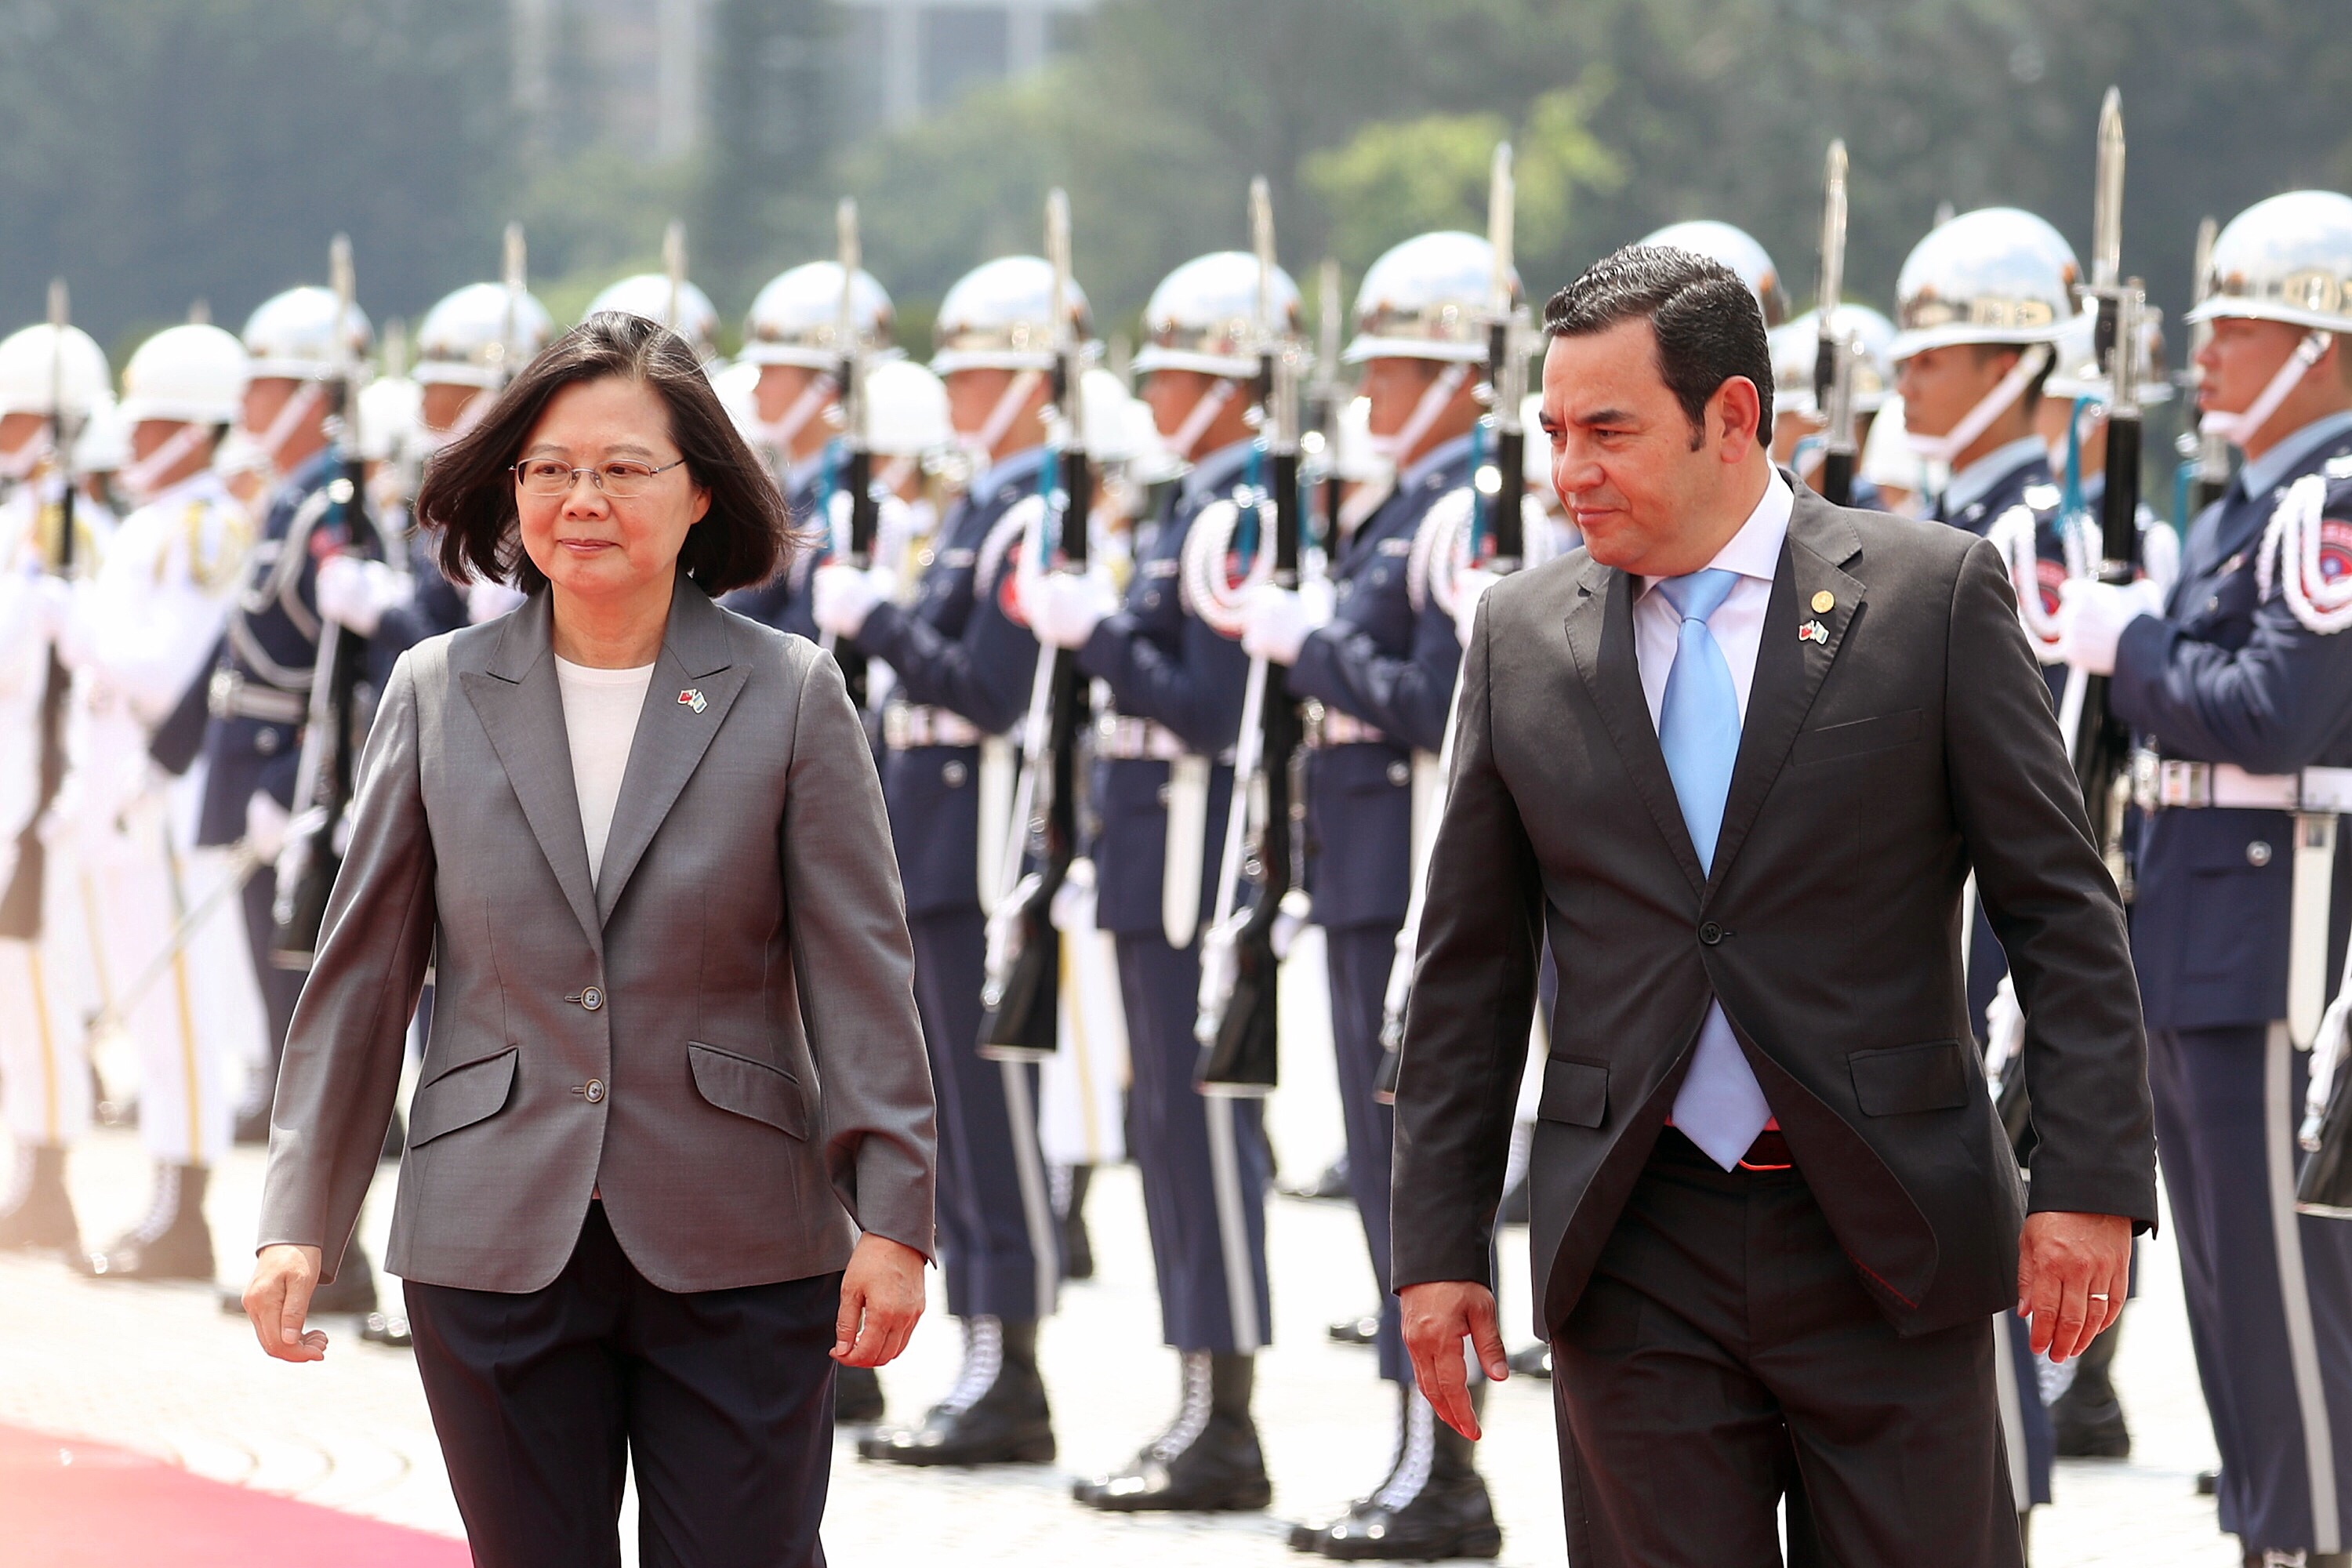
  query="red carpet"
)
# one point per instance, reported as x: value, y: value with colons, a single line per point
x: 65, y: 1503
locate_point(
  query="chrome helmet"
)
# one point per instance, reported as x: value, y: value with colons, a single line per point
x: 49, y: 370
x: 1203, y: 316
x: 1795, y: 345
x: 1427, y: 299
x: 192, y: 374
x: 292, y: 336
x: 906, y: 410
x: 999, y: 316
x: 685, y: 309
x: 1736, y: 248
x: 482, y: 335
x: 796, y: 318
x: 2289, y: 260
x: 391, y: 413
x: 1996, y: 275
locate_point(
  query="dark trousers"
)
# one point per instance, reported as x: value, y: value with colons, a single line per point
x: 2271, y: 1324
x: 722, y: 1399
x: 1168, y: 1122
x: 1723, y: 1330
x: 1360, y: 958
x: 990, y: 1241
x: 280, y: 988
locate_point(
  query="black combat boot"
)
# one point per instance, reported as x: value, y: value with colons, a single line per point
x: 1432, y: 1504
x: 1207, y: 1460
x: 2088, y: 1419
x: 36, y: 1213
x: 995, y: 1414
x: 171, y: 1243
x: 857, y: 1397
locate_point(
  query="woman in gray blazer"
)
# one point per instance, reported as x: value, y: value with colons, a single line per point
x: 670, y: 1156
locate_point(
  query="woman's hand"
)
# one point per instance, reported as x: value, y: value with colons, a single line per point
x: 279, y: 1297
x: 881, y: 1300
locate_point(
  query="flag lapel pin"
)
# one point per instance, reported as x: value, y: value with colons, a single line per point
x: 691, y: 697
x: 1814, y: 631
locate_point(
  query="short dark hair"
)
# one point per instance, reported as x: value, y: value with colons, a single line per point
x: 2031, y: 398
x: 469, y: 493
x: 1706, y: 322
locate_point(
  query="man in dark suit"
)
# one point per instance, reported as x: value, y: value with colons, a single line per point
x: 1736, y: 758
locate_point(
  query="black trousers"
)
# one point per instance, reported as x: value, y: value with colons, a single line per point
x: 723, y: 1399
x: 1724, y: 1331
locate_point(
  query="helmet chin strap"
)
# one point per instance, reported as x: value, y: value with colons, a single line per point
x: 143, y: 479
x: 781, y: 432
x: 1433, y: 401
x: 1205, y: 410
x: 983, y: 442
x: 300, y: 407
x: 2240, y: 428
x: 1948, y: 446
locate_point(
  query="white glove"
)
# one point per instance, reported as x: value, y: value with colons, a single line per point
x: 1073, y: 908
x: 1065, y: 607
x: 355, y: 592
x: 2091, y: 617
x: 1275, y: 622
x: 2004, y: 1031
x: 1470, y: 586
x: 841, y: 597
x: 486, y: 600
x: 52, y: 605
x: 266, y: 822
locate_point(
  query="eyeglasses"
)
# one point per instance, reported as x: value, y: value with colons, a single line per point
x: 547, y: 478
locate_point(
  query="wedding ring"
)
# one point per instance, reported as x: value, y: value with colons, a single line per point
x: 2096, y: 1297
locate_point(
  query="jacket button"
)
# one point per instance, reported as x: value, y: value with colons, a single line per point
x: 1710, y: 933
x: 592, y: 998
x: 2258, y: 853
x: 953, y: 775
x: 265, y: 743
x: 595, y: 1092
x: 1165, y: 794
x: 1400, y: 774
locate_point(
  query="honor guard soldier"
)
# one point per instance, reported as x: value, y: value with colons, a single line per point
x: 301, y: 341
x: 965, y: 664
x: 791, y: 336
x: 144, y: 633
x: 1379, y: 676
x: 1164, y: 749
x: 50, y: 378
x: 2237, y: 684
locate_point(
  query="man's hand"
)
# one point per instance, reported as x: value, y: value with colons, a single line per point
x: 279, y: 1297
x: 1438, y: 1316
x: 2072, y: 1272
x: 881, y: 1300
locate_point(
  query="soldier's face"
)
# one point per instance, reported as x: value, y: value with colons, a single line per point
x: 15, y: 429
x: 1941, y: 385
x: 265, y: 397
x: 592, y: 545
x: 2239, y: 360
x: 1172, y: 394
x: 445, y: 403
x: 779, y: 387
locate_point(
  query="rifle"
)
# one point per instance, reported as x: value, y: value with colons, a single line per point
x: 1331, y: 394
x: 1237, y: 1022
x: 856, y: 457
x: 1023, y: 996
x: 2205, y: 456
x: 21, y: 905
x: 674, y: 268
x: 323, y: 773
x: 1833, y: 357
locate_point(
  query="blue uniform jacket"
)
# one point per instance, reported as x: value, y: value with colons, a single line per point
x: 1164, y: 664
x: 435, y: 605
x: 276, y: 616
x: 782, y: 602
x: 957, y: 647
x: 1394, y: 668
x: 2030, y: 484
x: 2227, y: 677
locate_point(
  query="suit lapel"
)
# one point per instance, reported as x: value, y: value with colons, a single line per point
x: 521, y: 708
x: 672, y: 733
x: 1790, y: 668
x: 1600, y: 639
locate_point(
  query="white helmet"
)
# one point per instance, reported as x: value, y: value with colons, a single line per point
x: 47, y: 371
x: 1737, y: 249
x: 2075, y: 372
x: 1996, y: 275
x: 482, y: 335
x: 906, y: 410
x: 104, y: 445
x: 796, y: 318
x: 1796, y: 345
x: 649, y: 294
x: 292, y: 335
x: 2289, y: 260
x: 1426, y: 299
x: 193, y: 374
x: 737, y: 384
x: 390, y: 408
x: 1203, y: 316
x: 1535, y: 464
x: 999, y: 316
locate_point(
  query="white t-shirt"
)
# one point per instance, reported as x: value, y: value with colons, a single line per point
x: 599, y: 718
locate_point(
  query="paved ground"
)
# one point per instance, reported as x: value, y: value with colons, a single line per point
x: 160, y: 1371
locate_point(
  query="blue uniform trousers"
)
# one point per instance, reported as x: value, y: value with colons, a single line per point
x: 2270, y: 1291
x: 1168, y: 1133
x: 280, y: 988
x: 986, y: 1228
x: 1360, y: 958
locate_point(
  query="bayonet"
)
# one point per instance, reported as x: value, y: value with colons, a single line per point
x: 1834, y: 352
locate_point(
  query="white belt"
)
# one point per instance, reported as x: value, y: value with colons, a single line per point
x: 1329, y: 727
x: 2169, y: 783
x: 907, y: 725
x: 1122, y: 737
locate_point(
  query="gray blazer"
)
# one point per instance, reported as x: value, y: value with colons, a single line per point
x: 719, y: 1033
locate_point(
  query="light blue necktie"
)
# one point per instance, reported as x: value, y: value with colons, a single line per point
x: 1719, y: 1107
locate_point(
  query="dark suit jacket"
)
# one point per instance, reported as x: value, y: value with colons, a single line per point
x: 1875, y: 770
